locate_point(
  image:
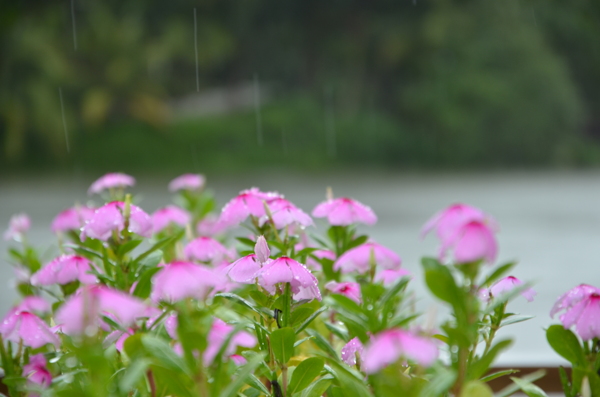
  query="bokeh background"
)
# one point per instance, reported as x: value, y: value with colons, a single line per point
x: 407, y: 106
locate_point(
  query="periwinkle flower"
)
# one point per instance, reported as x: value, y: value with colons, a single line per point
x: 247, y: 203
x: 389, y: 346
x: 109, y: 218
x: 36, y: 371
x: 282, y: 270
x: 82, y: 312
x: 471, y: 242
x: 449, y: 220
x: 313, y: 264
x: 244, y: 270
x: 111, y: 181
x: 358, y: 259
x: 63, y: 270
x: 163, y: 217
x: 33, y: 304
x: 26, y: 327
x: 390, y: 276
x: 180, y: 280
x: 218, y: 334
x: 348, y: 289
x: 345, y: 211
x: 187, y: 182
x: 71, y: 219
x: 504, y: 286
x: 18, y: 225
x: 206, y: 249
x: 284, y: 213
x: 350, y: 350
x: 209, y: 226
x: 261, y: 249
x: 582, y: 309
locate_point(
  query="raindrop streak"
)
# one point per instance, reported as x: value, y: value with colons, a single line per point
x: 330, y: 123
x: 534, y: 18
x: 194, y: 157
x: 259, y: 133
x: 283, y: 141
x: 62, y: 110
x: 74, y: 27
x: 196, y: 50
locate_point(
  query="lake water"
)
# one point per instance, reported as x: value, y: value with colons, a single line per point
x: 550, y: 223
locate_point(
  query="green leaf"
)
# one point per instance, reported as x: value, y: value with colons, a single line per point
x: 357, y: 241
x: 565, y: 343
x: 309, y: 319
x: 515, y: 320
x: 128, y: 247
x: 481, y: 366
x: 529, y: 388
x: 300, y: 314
x: 441, y: 283
x: 305, y: 373
x: 442, y: 380
x: 350, y: 381
x: 242, y: 376
x: 161, y: 350
x: 246, y: 241
x: 162, y: 243
x: 322, y: 343
x: 498, y: 374
x: 499, y: 272
x: 564, y: 380
x: 239, y: 299
x: 253, y: 381
x: 144, y: 285
x: 260, y: 298
x: 282, y: 343
x: 476, y: 388
x: 134, y: 373
x: 511, y: 389
x: 318, y: 388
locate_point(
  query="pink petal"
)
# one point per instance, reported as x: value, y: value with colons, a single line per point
x: 110, y: 181
x: 350, y: 350
x: 187, y: 182
x: 244, y: 270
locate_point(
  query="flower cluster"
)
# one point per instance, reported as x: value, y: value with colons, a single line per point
x: 181, y: 303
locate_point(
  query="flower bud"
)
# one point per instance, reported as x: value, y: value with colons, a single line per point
x: 261, y: 249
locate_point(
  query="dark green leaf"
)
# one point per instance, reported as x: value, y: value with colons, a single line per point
x: 304, y: 374
x: 164, y: 354
x: 529, y: 388
x: 565, y: 343
x: 282, y: 343
x: 318, y: 388
x: 128, y: 247
x: 481, y: 366
x: 239, y: 299
x: 246, y: 241
x: 498, y: 374
x: 144, y: 285
x: 309, y: 319
x: 499, y: 272
x: 322, y: 343
x: 242, y: 376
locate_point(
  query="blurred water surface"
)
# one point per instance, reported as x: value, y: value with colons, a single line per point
x: 550, y: 223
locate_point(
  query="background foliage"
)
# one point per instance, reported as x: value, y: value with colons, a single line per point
x: 440, y: 83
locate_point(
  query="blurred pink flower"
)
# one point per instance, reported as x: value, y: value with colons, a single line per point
x: 36, y: 371
x: 187, y: 182
x: 33, y: 304
x: 358, y: 259
x: 209, y: 226
x: 313, y: 264
x: 285, y: 213
x: 18, y: 225
x: 217, y: 336
x: 348, y: 289
x: 390, y: 276
x: 261, y: 249
x: 388, y: 346
x: 111, y: 181
x: 206, y: 249
x: 471, y: 242
x: 287, y: 270
x: 162, y: 217
x: 449, y: 220
x: 109, y: 217
x: 573, y: 297
x: 180, y: 280
x: 505, y: 285
x: 238, y: 360
x: 248, y: 202
x: 71, y: 219
x: 118, y: 337
x: 350, y: 350
x: 63, y: 270
x: 85, y: 309
x: 27, y: 327
x: 585, y: 315
x: 345, y: 211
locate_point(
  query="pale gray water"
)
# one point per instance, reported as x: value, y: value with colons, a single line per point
x: 550, y: 222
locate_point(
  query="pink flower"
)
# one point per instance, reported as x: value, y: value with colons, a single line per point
x: 111, y: 181
x: 349, y: 352
x: 344, y: 211
x: 261, y: 249
x: 109, y: 218
x: 505, y: 285
x: 388, y: 346
x: 118, y: 337
x: 33, y: 304
x: 18, y: 225
x: 209, y: 226
x: 217, y: 336
x: 313, y: 264
x: 27, y: 327
x: 82, y: 312
x: 63, y: 270
x: 167, y: 215
x: 71, y: 219
x: 205, y: 249
x: 244, y: 270
x: 238, y: 360
x: 247, y: 203
x: 390, y: 276
x: 187, y: 182
x: 180, y: 280
x: 348, y: 289
x: 573, y: 297
x: 449, y: 220
x: 36, y: 371
x: 285, y: 213
x: 585, y: 315
x: 471, y: 242
x: 359, y: 259
x: 286, y: 270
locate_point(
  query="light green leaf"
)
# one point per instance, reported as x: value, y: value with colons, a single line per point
x: 305, y: 373
x: 282, y: 343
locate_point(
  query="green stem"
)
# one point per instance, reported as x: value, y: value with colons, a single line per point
x: 287, y: 305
